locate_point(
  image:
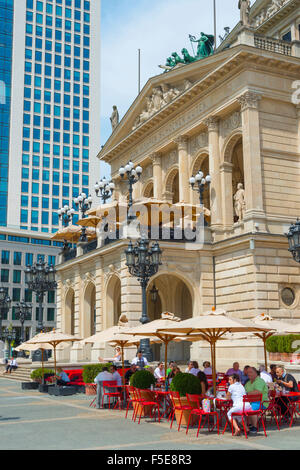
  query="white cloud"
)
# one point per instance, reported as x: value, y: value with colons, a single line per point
x: 158, y: 30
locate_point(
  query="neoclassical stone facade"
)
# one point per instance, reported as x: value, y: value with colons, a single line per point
x: 231, y: 116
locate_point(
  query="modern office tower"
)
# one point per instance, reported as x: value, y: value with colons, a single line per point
x: 54, y: 131
x: 49, y: 122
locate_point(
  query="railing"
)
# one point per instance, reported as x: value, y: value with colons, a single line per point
x: 70, y: 254
x: 273, y: 45
x: 91, y: 246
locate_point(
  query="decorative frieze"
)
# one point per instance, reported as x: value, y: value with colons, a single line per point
x: 198, y: 142
x: 265, y: 13
x: 234, y: 121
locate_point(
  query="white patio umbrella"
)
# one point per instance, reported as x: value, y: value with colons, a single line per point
x: 53, y: 338
x: 212, y: 326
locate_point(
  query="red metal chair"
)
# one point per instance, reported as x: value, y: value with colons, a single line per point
x: 246, y: 413
x: 177, y: 406
x: 107, y: 386
x: 223, y: 406
x: 293, y: 403
x: 195, y: 402
x: 272, y: 409
x: 94, y: 387
x: 132, y: 399
x: 152, y: 403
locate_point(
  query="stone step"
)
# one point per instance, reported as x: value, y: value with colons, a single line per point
x: 22, y: 374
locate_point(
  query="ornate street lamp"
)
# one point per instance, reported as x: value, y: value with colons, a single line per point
x: 293, y: 237
x: 83, y: 203
x: 104, y: 189
x: 5, y: 303
x: 199, y: 183
x: 133, y: 176
x: 23, y: 313
x: 9, y: 335
x: 143, y: 262
x: 40, y: 278
x: 66, y: 215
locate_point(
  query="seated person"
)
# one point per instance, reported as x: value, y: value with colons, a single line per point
x: 287, y: 383
x: 62, y: 377
x: 116, y: 375
x: 171, y: 365
x: 195, y: 369
x: 245, y: 378
x: 12, y: 365
x: 129, y: 373
x: 159, y: 372
x: 172, y: 374
x: 203, y: 381
x: 255, y: 386
x: 264, y: 375
x: 207, y: 368
x: 235, y: 369
x: 103, y: 376
x: 116, y: 358
x: 236, y: 392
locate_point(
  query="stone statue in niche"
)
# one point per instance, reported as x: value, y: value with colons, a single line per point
x: 239, y: 202
x: 114, y: 118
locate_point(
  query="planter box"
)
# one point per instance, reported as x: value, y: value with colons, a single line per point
x: 59, y: 390
x: 274, y: 356
x: 30, y: 385
x: 185, y: 414
x: 43, y: 388
x: 90, y: 390
x: 285, y: 357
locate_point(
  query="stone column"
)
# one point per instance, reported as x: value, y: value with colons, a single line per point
x: 252, y: 156
x: 183, y: 161
x: 157, y: 175
x: 226, y: 194
x: 212, y: 124
x: 298, y: 115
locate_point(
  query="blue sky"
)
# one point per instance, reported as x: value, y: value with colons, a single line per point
x: 158, y: 28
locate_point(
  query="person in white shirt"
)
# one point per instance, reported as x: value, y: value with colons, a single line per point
x: 159, y: 372
x: 103, y: 376
x: 195, y: 368
x: 140, y: 361
x: 265, y: 376
x: 236, y: 391
x: 116, y: 375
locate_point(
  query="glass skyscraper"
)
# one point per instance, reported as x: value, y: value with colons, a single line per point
x: 49, y: 130
x: 53, y: 146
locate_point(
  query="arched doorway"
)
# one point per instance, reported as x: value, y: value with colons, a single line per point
x: 233, y: 174
x: 148, y: 190
x: 172, y: 186
x: 175, y: 296
x: 70, y: 312
x: 89, y: 319
x: 113, y: 302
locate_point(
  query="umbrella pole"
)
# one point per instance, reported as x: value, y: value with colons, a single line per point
x: 166, y: 364
x: 123, y: 374
x: 213, y: 363
x: 43, y: 367
x: 265, y: 352
x: 54, y: 348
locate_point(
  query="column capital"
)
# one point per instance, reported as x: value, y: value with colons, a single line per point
x: 249, y: 99
x: 181, y: 141
x: 212, y: 123
x: 155, y: 158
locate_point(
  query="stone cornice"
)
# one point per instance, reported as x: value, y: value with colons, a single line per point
x: 212, y: 123
x: 242, y: 56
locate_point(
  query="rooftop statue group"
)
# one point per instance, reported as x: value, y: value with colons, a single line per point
x: 205, y: 48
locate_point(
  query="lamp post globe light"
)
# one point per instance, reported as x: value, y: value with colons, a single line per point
x: 293, y: 237
x: 83, y: 203
x: 23, y: 313
x: 199, y: 183
x: 40, y: 278
x: 5, y: 303
x: 66, y: 215
x: 143, y: 262
x: 133, y: 176
x: 104, y: 189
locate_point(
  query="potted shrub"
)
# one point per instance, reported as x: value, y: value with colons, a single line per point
x: 89, y: 373
x: 37, y: 375
x: 185, y: 383
x: 143, y: 379
x: 272, y: 348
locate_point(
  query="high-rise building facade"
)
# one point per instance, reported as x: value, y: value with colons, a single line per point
x: 49, y: 128
x: 55, y: 111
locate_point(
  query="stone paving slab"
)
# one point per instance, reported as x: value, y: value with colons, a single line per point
x: 30, y: 420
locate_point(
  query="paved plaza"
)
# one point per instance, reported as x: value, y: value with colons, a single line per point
x: 31, y: 420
